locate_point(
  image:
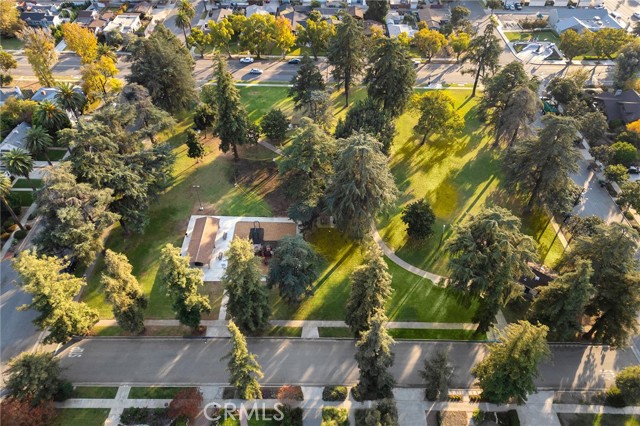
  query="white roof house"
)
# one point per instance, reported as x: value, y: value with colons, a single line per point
x: 267, y: 9
x: 581, y: 20
x: 125, y: 23
x: 393, y: 17
x: 15, y: 139
x: 10, y: 92
x: 396, y: 29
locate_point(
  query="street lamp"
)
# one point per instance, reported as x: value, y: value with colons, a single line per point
x: 197, y: 188
x: 444, y: 226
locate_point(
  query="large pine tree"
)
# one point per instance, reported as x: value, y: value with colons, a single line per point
x: 232, y: 123
x: 512, y: 364
x: 248, y: 302
x: 293, y: 268
x: 488, y: 255
x: 391, y: 76
x: 362, y: 185
x: 484, y: 53
x: 374, y: 358
x: 369, y: 117
x: 307, y: 80
x: 244, y: 370
x: 123, y: 292
x: 346, y: 53
x: 437, y: 374
x: 182, y: 284
x: 370, y: 291
x: 561, y: 304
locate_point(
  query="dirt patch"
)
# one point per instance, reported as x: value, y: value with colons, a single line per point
x: 261, y: 177
x: 273, y: 231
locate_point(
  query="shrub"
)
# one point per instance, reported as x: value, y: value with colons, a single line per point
x: 475, y: 398
x: 8, y: 223
x: 508, y: 418
x: 455, y: 398
x: 334, y: 393
x: 20, y: 234
x: 614, y: 397
x: 5, y: 236
x: 628, y: 215
x: 186, y: 404
x: 292, y: 416
x: 623, y: 153
x: 12, y: 227
x: 628, y: 381
x: 274, y: 125
x: 64, y: 392
x: 419, y: 218
x: 335, y: 416
x: 288, y: 394
x: 14, y: 412
x: 148, y: 416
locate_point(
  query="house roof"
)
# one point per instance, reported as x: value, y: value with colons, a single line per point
x: 98, y: 23
x: 296, y: 18
x: 218, y: 15
x: 434, y: 17
x: 396, y: 29
x: 203, y: 240
x: 124, y: 22
x: 620, y: 105
x: 267, y: 9
x: 356, y: 12
x: 581, y: 19
x: 16, y: 138
x: 10, y: 92
x: 45, y: 94
x: 143, y: 7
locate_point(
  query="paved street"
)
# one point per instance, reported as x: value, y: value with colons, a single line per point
x: 308, y: 362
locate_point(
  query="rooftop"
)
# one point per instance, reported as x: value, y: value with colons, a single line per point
x: 16, y: 138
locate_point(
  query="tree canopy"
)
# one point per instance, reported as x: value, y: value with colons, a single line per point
x: 346, y: 53
x: 293, y: 268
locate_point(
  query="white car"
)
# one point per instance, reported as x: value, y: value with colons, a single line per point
x: 636, y: 15
x: 615, y: 15
x: 255, y: 71
x: 246, y: 60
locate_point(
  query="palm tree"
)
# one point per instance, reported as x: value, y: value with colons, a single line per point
x: 70, y: 99
x: 108, y: 51
x: 187, y: 8
x: 51, y: 117
x: 5, y: 189
x: 39, y: 141
x: 19, y: 162
x: 183, y: 21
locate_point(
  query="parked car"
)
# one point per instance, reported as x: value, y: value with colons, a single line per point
x: 247, y: 60
x: 634, y: 170
x: 615, y: 15
x: 571, y: 6
x: 416, y: 63
x: 636, y: 15
x: 518, y: 6
x: 294, y: 61
x: 599, y: 6
x: 255, y: 71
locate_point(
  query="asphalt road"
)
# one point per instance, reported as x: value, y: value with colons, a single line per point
x: 309, y: 362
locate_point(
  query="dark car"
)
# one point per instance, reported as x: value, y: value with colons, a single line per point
x: 518, y: 6
x: 294, y: 61
x: 634, y: 170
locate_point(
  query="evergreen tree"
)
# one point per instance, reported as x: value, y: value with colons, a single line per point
x: 362, y: 185
x: 512, y: 364
x: 377, y: 10
x: 488, y: 255
x: 307, y: 80
x: 248, y: 303
x: 150, y: 120
x: 232, y: 125
x: 419, y: 218
x: 388, y: 412
x: 74, y: 216
x: 593, y: 126
x: 70, y: 98
x: 391, y: 76
x: 499, y: 89
x: 243, y: 367
x: 437, y: 115
x: 5, y: 191
x: 19, y: 162
x: 274, y: 125
x: 484, y: 53
x: 367, y: 116
x: 615, y: 301
x: 293, y: 268
x: 437, y: 374
x: 195, y: 149
x: 50, y: 116
x: 370, y: 291
x: 628, y: 381
x: 173, y: 89
x: 181, y: 284
x: 346, y: 53
x: 539, y: 167
x: 53, y: 295
x: 628, y: 64
x: 123, y: 292
x: 38, y: 142
x: 520, y: 110
x: 34, y: 377
x: 306, y: 167
x: 630, y: 195
x: 204, y: 117
x: 561, y: 304
x: 374, y: 358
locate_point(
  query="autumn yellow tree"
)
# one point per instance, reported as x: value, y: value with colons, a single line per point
x: 39, y: 48
x: 284, y: 35
x: 81, y: 40
x: 99, y: 77
x: 429, y: 42
x: 221, y: 34
x: 634, y: 126
x: 10, y: 22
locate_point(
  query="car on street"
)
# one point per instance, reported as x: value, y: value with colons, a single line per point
x: 255, y: 71
x: 615, y: 15
x: 518, y: 6
x: 416, y: 63
x: 246, y: 60
x: 636, y: 15
x: 294, y: 61
x: 634, y: 170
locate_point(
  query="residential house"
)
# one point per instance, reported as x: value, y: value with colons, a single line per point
x: 98, y: 25
x: 622, y: 105
x: 395, y: 30
x: 40, y: 19
x: 295, y: 18
x: 369, y: 25
x: 267, y: 9
x: 403, y: 4
x: 15, y: 139
x: 125, y: 23
x: 218, y: 15
x: 394, y: 18
x: 85, y: 17
x: 581, y: 20
x: 143, y: 8
x: 10, y: 92
x: 356, y: 12
x: 45, y: 94
x: 435, y: 18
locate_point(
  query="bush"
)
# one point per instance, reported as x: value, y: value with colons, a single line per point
x: 475, y: 398
x: 186, y: 404
x: 293, y: 416
x: 289, y: 393
x: 614, y: 397
x: 628, y: 215
x: 5, y: 236
x: 419, y: 218
x: 335, y: 416
x: 334, y: 393
x: 628, y: 382
x: 8, y: 223
x: 623, y: 153
x: 20, y: 234
x: 148, y: 416
x: 509, y: 418
x: 65, y: 390
x: 274, y: 125
x: 14, y: 412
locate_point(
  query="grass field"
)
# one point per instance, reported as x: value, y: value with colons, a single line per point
x: 407, y: 333
x: 26, y: 197
x: 11, y: 43
x: 154, y: 392
x: 81, y: 416
x: 414, y: 298
x: 598, y: 420
x: 95, y: 392
x: 458, y: 176
x: 284, y: 332
x: 24, y: 183
x: 529, y: 35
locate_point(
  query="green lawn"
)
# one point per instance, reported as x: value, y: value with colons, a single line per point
x: 458, y: 176
x: 26, y: 197
x: 278, y: 331
x: 599, y: 420
x: 335, y: 332
x: 154, y: 392
x: 95, y: 392
x: 24, y: 183
x: 11, y: 43
x: 54, y: 155
x: 546, y: 35
x: 81, y: 416
x: 407, y: 333
x: 414, y: 298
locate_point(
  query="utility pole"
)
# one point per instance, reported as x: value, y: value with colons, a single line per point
x: 197, y: 188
